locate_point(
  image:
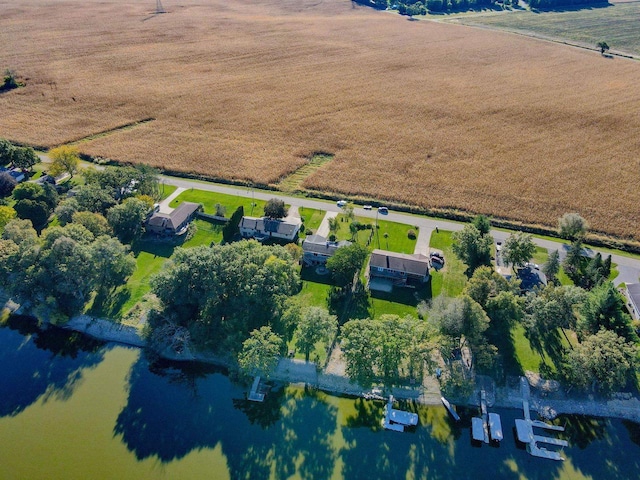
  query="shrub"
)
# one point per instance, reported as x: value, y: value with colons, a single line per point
x: 332, y: 238
x: 412, y: 234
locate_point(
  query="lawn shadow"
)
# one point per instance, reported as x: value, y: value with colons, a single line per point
x: 154, y: 246
x: 108, y: 304
x: 309, y: 274
x: 405, y: 295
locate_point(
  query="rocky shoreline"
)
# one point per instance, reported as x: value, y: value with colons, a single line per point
x: 623, y: 406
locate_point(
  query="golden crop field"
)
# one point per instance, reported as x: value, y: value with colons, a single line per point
x: 435, y: 115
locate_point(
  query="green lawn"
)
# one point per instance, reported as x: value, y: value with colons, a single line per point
x: 166, y: 190
x: 541, y: 256
x: 451, y: 280
x: 314, y: 288
x: 207, y: 232
x: 396, y: 239
x: 150, y: 257
x: 230, y: 202
x: 312, y: 218
x: 402, y: 301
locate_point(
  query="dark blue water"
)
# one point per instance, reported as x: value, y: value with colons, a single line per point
x: 74, y: 408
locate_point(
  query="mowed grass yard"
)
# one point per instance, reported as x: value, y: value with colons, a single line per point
x: 229, y: 202
x: 615, y: 23
x: 444, y: 116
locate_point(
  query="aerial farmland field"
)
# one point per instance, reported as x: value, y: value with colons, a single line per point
x: 616, y: 22
x: 423, y: 113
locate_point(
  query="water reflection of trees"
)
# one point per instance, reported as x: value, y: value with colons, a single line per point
x: 41, y: 364
x: 167, y: 417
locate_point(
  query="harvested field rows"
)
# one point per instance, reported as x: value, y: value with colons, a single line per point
x: 440, y: 116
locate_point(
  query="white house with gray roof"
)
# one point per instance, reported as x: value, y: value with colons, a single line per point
x: 317, y: 250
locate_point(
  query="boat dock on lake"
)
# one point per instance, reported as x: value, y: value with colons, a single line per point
x: 255, y: 395
x: 495, y: 427
x: 525, y: 433
x: 397, y: 420
x: 450, y: 409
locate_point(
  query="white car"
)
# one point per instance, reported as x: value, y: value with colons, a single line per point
x: 367, y: 207
x: 341, y: 203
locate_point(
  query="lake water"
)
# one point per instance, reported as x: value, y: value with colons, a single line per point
x: 71, y: 408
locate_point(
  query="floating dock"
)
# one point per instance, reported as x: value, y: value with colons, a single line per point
x: 495, y: 427
x: 477, y: 430
x: 254, y: 394
x: 396, y: 420
x: 450, y: 409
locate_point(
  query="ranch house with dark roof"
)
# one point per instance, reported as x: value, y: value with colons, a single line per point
x: 263, y: 228
x: 389, y: 269
x: 174, y: 223
x: 316, y: 250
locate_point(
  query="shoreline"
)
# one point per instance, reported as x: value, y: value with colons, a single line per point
x: 621, y: 406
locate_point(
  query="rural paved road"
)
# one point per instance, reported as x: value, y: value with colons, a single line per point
x: 628, y: 267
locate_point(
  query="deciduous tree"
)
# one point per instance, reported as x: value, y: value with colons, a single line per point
x: 6, y: 215
x: 64, y: 159
x: 345, y: 262
x: 7, y: 184
x: 603, y: 361
x: 473, y: 248
x: 259, y: 354
x: 127, y: 219
x: 316, y: 324
x: 518, y: 249
x: 275, y: 208
x: 572, y: 226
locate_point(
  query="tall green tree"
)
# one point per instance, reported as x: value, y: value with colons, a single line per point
x: 94, y: 222
x: 275, y: 208
x: 486, y: 283
x: 112, y: 261
x: 231, y: 229
x: 572, y: 226
x: 93, y: 198
x: 259, y: 354
x: 552, y: 267
x: 473, y: 248
x: 316, y: 324
x: 6, y: 151
x: 226, y: 291
x: 603, y: 46
x: 604, y: 362
x: 605, y: 308
x: 24, y: 157
x: 482, y: 223
x: 7, y: 184
x: 518, y: 249
x: 346, y: 262
x: 127, y: 219
x: 65, y: 210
